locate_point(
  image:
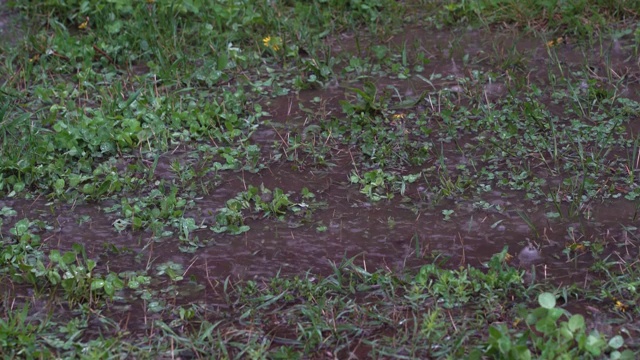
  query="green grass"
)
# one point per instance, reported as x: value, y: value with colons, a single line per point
x: 144, y: 111
x: 436, y: 313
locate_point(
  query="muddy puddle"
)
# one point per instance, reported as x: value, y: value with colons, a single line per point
x: 383, y: 235
x: 404, y: 232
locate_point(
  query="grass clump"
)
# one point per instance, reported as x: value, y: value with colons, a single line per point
x: 575, y: 18
x: 434, y: 313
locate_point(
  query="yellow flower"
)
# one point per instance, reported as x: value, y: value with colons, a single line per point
x: 620, y: 306
x: 555, y: 42
x: 508, y: 257
x: 398, y: 116
x: 576, y: 247
x: 84, y: 24
x: 272, y: 42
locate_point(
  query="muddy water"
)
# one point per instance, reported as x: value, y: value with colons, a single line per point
x: 380, y: 235
x: 392, y: 234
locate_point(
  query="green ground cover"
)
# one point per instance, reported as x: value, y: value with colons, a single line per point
x: 159, y: 116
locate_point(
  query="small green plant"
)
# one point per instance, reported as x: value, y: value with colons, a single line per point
x: 549, y: 337
x: 270, y: 203
x: 378, y: 184
x: 453, y: 288
x: 369, y: 101
x: 19, y: 333
x: 21, y: 252
x: 446, y: 213
x: 75, y: 274
x: 375, y: 184
x: 173, y: 270
x: 25, y: 261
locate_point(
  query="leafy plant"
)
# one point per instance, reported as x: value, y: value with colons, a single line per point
x: 18, y: 335
x: 260, y: 201
x: 549, y: 337
x: 453, y: 288
x: 378, y: 184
